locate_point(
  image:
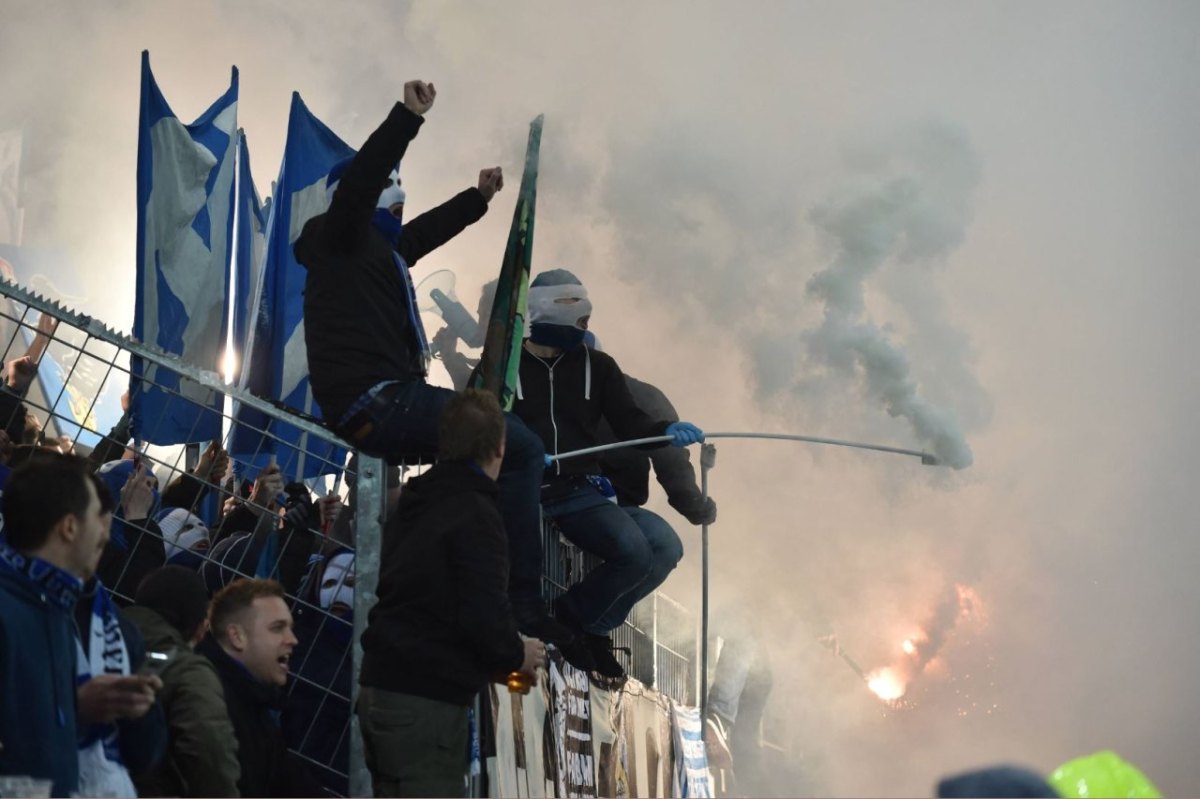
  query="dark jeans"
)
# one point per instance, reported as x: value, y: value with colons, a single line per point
x: 638, y: 547
x: 404, y: 423
x: 413, y: 746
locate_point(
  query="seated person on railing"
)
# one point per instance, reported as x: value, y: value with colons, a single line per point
x: 367, y: 351
x: 443, y: 626
x: 565, y: 391
x: 628, y: 468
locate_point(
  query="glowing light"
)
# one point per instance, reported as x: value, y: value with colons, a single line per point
x: 909, y: 647
x: 229, y: 365
x: 887, y: 684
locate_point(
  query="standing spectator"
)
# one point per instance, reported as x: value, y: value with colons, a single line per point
x: 135, y: 547
x: 317, y: 718
x: 443, y: 626
x: 367, y: 351
x: 55, y: 531
x: 566, y: 391
x: 18, y: 374
x: 201, y: 759
x: 250, y: 643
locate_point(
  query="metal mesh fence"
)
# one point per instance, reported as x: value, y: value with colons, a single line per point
x: 656, y: 644
x: 319, y: 536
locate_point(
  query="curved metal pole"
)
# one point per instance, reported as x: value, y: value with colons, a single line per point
x: 926, y: 458
x: 708, y: 459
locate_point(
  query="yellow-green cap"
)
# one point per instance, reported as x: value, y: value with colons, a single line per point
x: 1103, y: 775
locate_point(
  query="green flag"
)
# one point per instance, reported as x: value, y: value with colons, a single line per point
x: 506, y: 326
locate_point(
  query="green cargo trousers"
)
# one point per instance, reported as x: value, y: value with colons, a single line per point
x: 413, y: 746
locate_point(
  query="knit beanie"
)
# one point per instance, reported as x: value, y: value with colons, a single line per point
x: 178, y: 595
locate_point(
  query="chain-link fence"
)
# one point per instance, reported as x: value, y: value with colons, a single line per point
x: 316, y: 527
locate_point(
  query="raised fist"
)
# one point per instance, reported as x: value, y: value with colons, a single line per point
x: 490, y: 182
x: 418, y: 96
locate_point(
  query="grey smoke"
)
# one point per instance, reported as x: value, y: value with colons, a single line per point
x: 916, y: 219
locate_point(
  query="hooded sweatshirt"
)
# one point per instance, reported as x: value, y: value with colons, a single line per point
x: 443, y: 626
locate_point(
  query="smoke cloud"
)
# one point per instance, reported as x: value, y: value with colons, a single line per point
x: 966, y: 228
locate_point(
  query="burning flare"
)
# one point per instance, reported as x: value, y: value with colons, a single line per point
x: 887, y: 683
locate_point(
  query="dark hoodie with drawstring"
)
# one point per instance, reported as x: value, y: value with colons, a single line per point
x: 565, y: 399
x: 443, y: 626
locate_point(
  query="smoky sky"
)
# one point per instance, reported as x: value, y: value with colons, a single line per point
x: 968, y: 229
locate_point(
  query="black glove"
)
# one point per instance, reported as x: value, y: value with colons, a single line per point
x: 703, y: 514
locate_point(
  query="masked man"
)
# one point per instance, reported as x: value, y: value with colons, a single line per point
x: 367, y: 350
x: 565, y: 391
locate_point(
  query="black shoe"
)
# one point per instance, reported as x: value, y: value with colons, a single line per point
x: 546, y: 629
x: 601, y: 649
x: 577, y: 653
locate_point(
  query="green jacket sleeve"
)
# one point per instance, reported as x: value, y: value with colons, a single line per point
x: 203, y: 744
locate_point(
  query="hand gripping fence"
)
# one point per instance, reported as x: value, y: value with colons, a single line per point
x: 708, y: 455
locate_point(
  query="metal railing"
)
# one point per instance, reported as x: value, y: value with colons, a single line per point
x: 656, y: 642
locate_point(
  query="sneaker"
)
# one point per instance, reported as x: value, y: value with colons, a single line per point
x: 716, y: 744
x: 601, y: 649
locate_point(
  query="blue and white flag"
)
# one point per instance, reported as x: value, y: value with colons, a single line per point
x: 277, y: 361
x: 692, y: 777
x: 185, y: 226
x: 251, y: 247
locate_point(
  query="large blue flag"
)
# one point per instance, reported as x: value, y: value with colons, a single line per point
x: 250, y: 249
x: 185, y: 222
x: 277, y: 361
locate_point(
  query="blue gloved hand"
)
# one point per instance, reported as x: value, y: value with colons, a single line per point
x: 547, y: 461
x: 684, y: 433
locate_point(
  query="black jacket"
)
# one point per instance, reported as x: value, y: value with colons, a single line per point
x: 268, y: 768
x: 443, y: 626
x: 629, y: 468
x: 122, y: 570
x: 565, y: 405
x: 356, y: 316
x: 316, y: 721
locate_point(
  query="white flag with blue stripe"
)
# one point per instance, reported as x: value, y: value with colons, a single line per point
x: 277, y: 360
x: 185, y: 223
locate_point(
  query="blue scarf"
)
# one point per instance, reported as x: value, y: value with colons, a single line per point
x: 60, y: 586
x: 391, y: 228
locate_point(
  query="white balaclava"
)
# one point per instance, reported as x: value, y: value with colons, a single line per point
x: 392, y: 193
x: 182, y: 531
x: 333, y: 582
x: 554, y: 323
